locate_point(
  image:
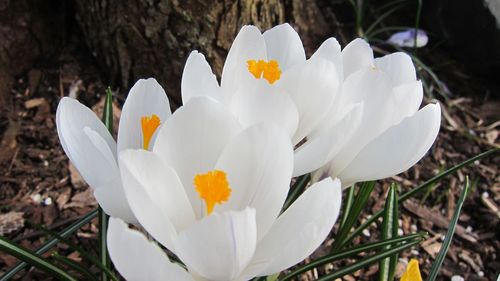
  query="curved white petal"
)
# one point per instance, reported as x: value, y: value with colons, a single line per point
x: 219, y: 246
x: 330, y: 50
x: 356, y: 55
x: 146, y: 198
x: 284, y: 45
x: 299, y: 230
x: 198, y: 79
x: 110, y: 194
x: 397, y: 149
x: 312, y: 86
x: 371, y: 87
x: 262, y: 102
x: 138, y: 259
x: 161, y: 184
x: 406, y: 99
x: 318, y: 150
x: 146, y: 97
x: 398, y: 66
x: 192, y: 139
x: 71, y: 119
x: 258, y: 163
x: 249, y: 44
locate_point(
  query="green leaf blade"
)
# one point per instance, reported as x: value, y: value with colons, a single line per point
x: 28, y: 256
x: 449, y: 234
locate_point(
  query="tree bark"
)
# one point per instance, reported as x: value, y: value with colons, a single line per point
x: 29, y: 30
x: 136, y: 39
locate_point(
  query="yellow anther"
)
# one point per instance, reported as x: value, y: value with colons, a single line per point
x: 268, y: 70
x: 149, y: 125
x: 213, y: 188
x: 412, y: 272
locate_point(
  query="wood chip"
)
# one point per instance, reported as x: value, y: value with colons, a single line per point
x: 433, y: 249
x: 82, y: 199
x: 32, y: 103
x: 10, y: 222
x: 76, y: 179
x: 437, y: 219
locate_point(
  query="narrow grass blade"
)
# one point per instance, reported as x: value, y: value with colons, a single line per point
x: 296, y: 190
x: 417, y: 25
x: 74, y: 265
x: 51, y: 243
x: 359, y: 203
x: 449, y: 234
x: 107, y: 118
x: 352, y: 252
x: 395, y: 227
x: 347, y: 206
x: 380, y: 19
x: 388, y: 232
x: 419, y: 189
x: 367, y: 261
x: 107, y: 115
x: 27, y: 256
x: 85, y: 254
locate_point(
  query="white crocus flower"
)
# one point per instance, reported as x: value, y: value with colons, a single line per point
x: 91, y: 148
x: 266, y: 77
x: 374, y: 128
x: 212, y: 193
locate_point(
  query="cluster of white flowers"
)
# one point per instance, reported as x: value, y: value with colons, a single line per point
x: 208, y: 182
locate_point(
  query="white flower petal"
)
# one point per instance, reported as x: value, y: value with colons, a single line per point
x: 398, y: 66
x: 146, y: 97
x: 138, y: 259
x: 356, y: 55
x: 318, y: 150
x: 312, y: 86
x: 330, y: 50
x: 219, y: 246
x: 397, y: 149
x: 110, y: 194
x: 371, y: 87
x: 258, y: 163
x: 71, y: 118
x: 284, y: 45
x: 299, y: 230
x: 262, y: 102
x: 248, y: 45
x: 406, y: 99
x: 161, y: 184
x: 198, y: 79
x: 192, y: 139
x: 146, y: 199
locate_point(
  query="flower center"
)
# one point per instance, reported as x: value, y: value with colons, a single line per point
x: 149, y: 125
x: 261, y: 69
x: 213, y: 188
x: 412, y: 272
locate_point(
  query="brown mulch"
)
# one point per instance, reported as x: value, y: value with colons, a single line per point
x: 38, y: 186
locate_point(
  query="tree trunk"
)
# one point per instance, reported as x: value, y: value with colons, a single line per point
x: 137, y: 38
x: 29, y: 30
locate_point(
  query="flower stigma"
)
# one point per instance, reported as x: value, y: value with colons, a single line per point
x: 212, y: 187
x: 412, y: 272
x: 268, y: 70
x: 149, y: 125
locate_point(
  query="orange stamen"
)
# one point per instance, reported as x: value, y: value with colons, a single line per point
x: 149, y: 125
x: 212, y: 187
x: 268, y: 70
